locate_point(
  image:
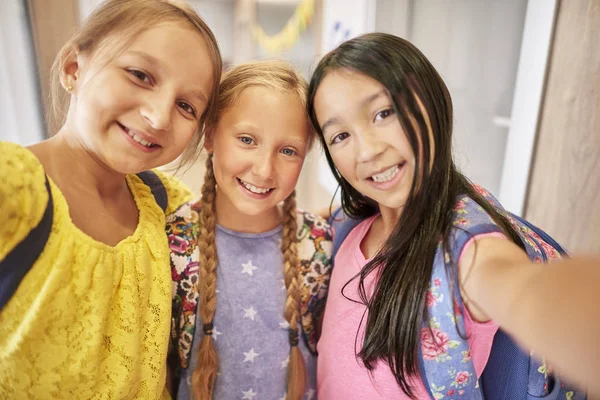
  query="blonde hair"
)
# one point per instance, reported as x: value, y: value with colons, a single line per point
x: 280, y: 76
x: 129, y: 18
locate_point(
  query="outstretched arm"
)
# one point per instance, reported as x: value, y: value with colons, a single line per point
x: 550, y: 308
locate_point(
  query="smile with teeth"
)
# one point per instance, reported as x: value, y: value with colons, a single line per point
x: 253, y: 188
x: 387, y: 175
x: 138, y: 139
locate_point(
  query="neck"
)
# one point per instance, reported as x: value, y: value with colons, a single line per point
x: 389, y: 218
x: 229, y: 217
x: 66, y: 159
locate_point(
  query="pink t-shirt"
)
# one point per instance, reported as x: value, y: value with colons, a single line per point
x: 340, y: 374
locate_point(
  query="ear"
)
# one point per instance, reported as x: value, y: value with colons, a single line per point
x: 70, y: 61
x: 208, y: 139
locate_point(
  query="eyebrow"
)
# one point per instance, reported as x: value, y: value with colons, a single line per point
x: 365, y: 102
x: 151, y: 59
x: 198, y: 93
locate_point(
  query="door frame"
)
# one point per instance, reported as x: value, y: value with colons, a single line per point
x: 540, y: 18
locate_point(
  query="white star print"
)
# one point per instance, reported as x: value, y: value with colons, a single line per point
x: 310, y: 394
x: 215, y: 333
x: 285, y: 362
x: 250, y: 313
x: 250, y: 355
x: 249, y: 394
x: 284, y: 325
x: 248, y: 268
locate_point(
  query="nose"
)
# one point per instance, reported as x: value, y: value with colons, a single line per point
x: 157, y: 111
x: 368, y: 146
x: 263, y: 167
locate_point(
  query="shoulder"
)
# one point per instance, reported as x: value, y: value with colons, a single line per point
x: 469, y: 218
x: 177, y: 193
x: 19, y: 161
x: 312, y: 227
x: 23, y: 194
x: 183, y: 226
x: 315, y: 237
x: 319, y: 227
x: 188, y: 212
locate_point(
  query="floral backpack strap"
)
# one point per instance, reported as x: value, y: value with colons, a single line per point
x: 183, y: 232
x: 445, y: 356
x: 314, y: 253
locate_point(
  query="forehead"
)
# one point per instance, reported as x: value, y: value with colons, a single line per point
x: 177, y: 49
x: 342, y: 91
x: 270, y: 111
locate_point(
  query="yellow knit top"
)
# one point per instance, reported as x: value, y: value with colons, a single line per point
x: 89, y: 320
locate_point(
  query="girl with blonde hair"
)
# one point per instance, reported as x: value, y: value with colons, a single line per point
x: 89, y: 316
x: 250, y: 271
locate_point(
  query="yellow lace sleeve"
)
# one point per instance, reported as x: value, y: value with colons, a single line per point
x: 23, y: 195
x: 177, y: 192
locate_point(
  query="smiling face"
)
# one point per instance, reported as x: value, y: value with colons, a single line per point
x: 258, y: 147
x: 141, y: 108
x: 365, y: 138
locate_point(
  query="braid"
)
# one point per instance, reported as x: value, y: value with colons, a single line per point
x: 296, y: 368
x: 203, y: 377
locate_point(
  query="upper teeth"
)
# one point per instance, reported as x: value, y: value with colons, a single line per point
x: 386, y: 175
x: 138, y: 139
x: 253, y: 188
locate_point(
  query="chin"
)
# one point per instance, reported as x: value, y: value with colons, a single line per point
x: 252, y: 211
x: 131, y: 168
x: 392, y: 202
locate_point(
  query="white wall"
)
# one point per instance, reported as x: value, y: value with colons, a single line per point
x: 21, y: 117
x: 218, y: 14
x: 475, y: 46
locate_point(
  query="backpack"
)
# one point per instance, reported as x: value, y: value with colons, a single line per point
x: 509, y: 373
x: 20, y: 260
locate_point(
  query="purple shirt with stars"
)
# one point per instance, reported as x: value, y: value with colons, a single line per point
x: 250, y: 332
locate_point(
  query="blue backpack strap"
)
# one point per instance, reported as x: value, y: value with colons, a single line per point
x: 341, y: 225
x: 159, y: 191
x: 545, y: 237
x: 21, y: 259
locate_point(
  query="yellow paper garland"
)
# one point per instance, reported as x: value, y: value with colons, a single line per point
x: 290, y: 34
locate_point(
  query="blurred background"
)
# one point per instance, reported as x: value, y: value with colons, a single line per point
x: 524, y: 76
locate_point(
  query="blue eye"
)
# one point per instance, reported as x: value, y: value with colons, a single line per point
x: 288, y: 152
x: 246, y: 140
x: 339, y: 137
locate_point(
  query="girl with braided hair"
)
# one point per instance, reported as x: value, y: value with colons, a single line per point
x: 250, y: 271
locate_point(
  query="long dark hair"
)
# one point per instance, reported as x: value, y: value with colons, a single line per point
x: 396, y: 310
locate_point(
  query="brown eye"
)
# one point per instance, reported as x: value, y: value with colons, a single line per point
x: 187, y: 108
x: 339, y: 137
x: 141, y: 76
x: 384, y: 114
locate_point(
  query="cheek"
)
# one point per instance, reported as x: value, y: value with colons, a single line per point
x: 343, y: 162
x: 226, y: 165
x: 290, y: 175
x: 183, y: 133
